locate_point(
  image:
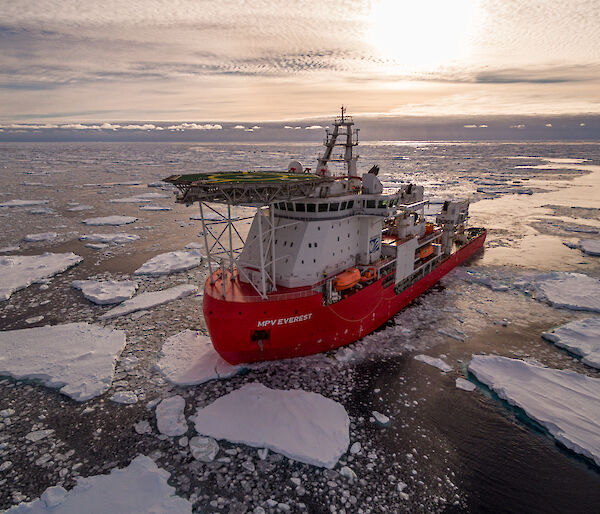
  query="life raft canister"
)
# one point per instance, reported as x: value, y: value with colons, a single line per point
x: 346, y: 279
x: 368, y: 274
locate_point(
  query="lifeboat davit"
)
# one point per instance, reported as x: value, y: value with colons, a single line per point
x: 346, y: 279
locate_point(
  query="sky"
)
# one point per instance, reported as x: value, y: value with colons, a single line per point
x: 207, y: 63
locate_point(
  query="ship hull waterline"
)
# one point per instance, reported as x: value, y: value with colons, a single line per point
x: 304, y: 326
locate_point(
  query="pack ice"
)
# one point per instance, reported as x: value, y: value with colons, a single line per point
x: 435, y: 362
x: 301, y: 425
x: 569, y: 290
x: 39, y: 237
x: 115, y: 238
x: 110, y: 220
x: 590, y: 246
x: 23, y: 203
x: 170, y: 262
x: 188, y: 358
x: 581, y: 337
x: 106, y: 292
x: 140, y: 487
x: 142, y: 198
x: 150, y: 299
x: 78, y: 358
x: 20, y: 271
x: 565, y: 402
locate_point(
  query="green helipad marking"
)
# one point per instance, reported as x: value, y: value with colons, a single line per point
x: 241, y: 177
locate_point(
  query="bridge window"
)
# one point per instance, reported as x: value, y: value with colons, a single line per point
x: 350, y: 204
x: 281, y: 205
x: 323, y: 207
x: 343, y: 206
x: 370, y: 204
x: 310, y: 207
x: 290, y: 206
x: 382, y: 204
x: 300, y: 207
x: 334, y: 206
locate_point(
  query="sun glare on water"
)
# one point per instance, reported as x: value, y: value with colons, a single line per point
x: 420, y: 35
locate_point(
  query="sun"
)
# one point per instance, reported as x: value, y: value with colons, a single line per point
x: 420, y: 35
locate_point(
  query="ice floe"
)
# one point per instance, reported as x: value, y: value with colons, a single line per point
x: 96, y: 246
x: 581, y: 337
x: 150, y: 299
x: 79, y: 208
x: 20, y: 271
x: 78, y: 358
x: 170, y: 418
x: 23, y: 203
x: 566, y: 403
x: 574, y: 291
x: 171, y: 262
x: 434, y: 361
x: 42, y: 210
x: 140, y: 487
x: 155, y: 208
x: 110, y: 220
x: 301, y: 425
x: 204, y: 449
x: 590, y: 246
x: 142, y: 198
x: 42, y: 236
x: 125, y: 397
x: 105, y: 292
x: 188, y: 358
x: 8, y: 249
x: 114, y: 238
x: 465, y: 385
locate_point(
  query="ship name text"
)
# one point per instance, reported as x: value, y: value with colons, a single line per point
x: 284, y: 321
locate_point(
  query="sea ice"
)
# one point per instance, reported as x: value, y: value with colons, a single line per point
x: 8, y: 249
x: 590, y: 246
x: 465, y: 385
x: 110, y: 220
x: 192, y: 246
x: 142, y: 198
x: 78, y: 358
x: 79, y: 208
x: 43, y: 236
x: 125, y: 397
x: 114, y: 238
x: 569, y: 290
x: 380, y: 418
x: 170, y: 418
x: 20, y: 271
x: 171, y: 262
x: 301, y: 425
x: 107, y: 291
x: 204, y: 449
x: 96, y: 246
x: 565, y: 402
x: 188, y: 358
x: 433, y: 361
x: 23, y: 203
x: 155, y: 208
x: 150, y: 299
x: 42, y: 210
x: 581, y: 337
x: 140, y: 487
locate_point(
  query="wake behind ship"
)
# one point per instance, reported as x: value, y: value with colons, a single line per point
x: 327, y: 259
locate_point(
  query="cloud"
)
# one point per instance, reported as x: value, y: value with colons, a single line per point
x: 470, y: 126
x: 314, y: 127
x: 79, y: 126
x: 256, y: 127
x: 548, y: 125
x: 288, y: 127
x: 518, y: 126
x: 109, y: 126
x: 195, y: 126
x: 239, y: 127
x: 483, y: 126
x: 582, y: 124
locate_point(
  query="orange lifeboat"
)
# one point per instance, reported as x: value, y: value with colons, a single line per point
x: 429, y: 228
x: 426, y: 251
x: 369, y: 274
x: 347, y: 279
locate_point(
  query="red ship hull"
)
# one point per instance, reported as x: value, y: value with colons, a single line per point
x: 246, y: 329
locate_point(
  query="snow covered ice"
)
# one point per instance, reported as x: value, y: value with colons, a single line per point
x: 42, y: 236
x: 301, y: 425
x: 465, y: 385
x: 138, y: 488
x: 23, y: 203
x: 114, y: 238
x: 581, y: 337
x: 155, y: 208
x: 170, y: 418
x: 150, y: 299
x: 188, y: 358
x: 590, y: 246
x: 20, y: 271
x: 78, y: 358
x: 574, y: 291
x: 564, y: 402
x: 171, y: 262
x: 141, y: 198
x: 434, y: 361
x: 104, y: 292
x: 110, y: 220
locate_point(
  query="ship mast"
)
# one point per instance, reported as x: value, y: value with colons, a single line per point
x: 342, y: 126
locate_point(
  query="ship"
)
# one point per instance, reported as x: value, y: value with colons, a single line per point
x: 322, y: 257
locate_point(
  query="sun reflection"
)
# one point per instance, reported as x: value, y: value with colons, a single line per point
x: 420, y: 35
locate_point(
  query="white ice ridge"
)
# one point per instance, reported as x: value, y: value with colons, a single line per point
x: 565, y: 402
x: 590, y: 246
x: 139, y: 488
x: 78, y: 358
x: 581, y: 337
x: 434, y: 361
x: 188, y: 358
x: 20, y: 271
x: 569, y: 290
x: 42, y: 236
x: 23, y: 203
x: 142, y: 198
x: 171, y: 262
x: 115, y: 238
x: 151, y: 299
x: 107, y: 291
x: 301, y: 425
x: 110, y: 220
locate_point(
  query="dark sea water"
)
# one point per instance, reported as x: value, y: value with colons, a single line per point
x: 456, y: 451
